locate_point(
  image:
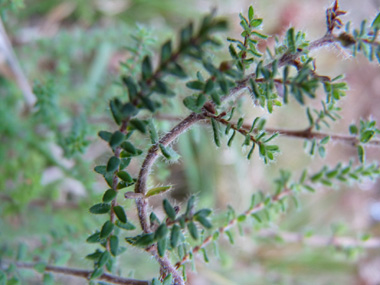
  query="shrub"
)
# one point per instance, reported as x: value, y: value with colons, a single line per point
x: 277, y: 78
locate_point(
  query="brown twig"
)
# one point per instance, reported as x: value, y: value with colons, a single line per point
x: 302, y: 134
x: 83, y: 274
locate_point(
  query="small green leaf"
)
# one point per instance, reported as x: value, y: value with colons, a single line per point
x: 353, y: 130
x: 153, y: 132
x: 161, y: 246
x: 197, y: 85
x: 146, y: 68
x: 376, y: 22
x: 114, y: 245
x: 161, y: 232
x: 322, y: 151
x: 48, y: 279
x: 204, y: 221
x: 109, y: 195
x: 216, y: 130
x: 115, y: 106
x: 190, y: 205
x: 366, y: 136
x: 361, y: 153
x: 209, y: 86
x: 250, y: 13
x: 123, y: 175
x: 291, y: 40
x: 190, y: 102
x: 131, y: 85
x: 120, y: 214
x: 169, y: 210
x: 113, y: 164
x: 175, y: 235
x: 157, y: 190
x: 138, y: 125
x: 106, y: 230
x: 325, y: 140
x: 104, y: 135
x: 101, y: 208
x: 143, y: 240
x: 192, y: 230
x: 168, y: 280
x: 95, y: 255
x: 96, y: 273
x: 125, y: 226
x: 94, y: 238
x: 166, y: 51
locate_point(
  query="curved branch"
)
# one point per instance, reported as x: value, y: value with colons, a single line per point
x: 85, y: 274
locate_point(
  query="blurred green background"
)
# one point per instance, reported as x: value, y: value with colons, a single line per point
x: 73, y: 53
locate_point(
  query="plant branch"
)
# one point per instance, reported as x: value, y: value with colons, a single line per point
x: 260, y: 206
x: 84, y: 274
x: 302, y: 134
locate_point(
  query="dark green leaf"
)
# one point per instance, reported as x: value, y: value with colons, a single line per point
x: 114, y: 245
x: 94, y: 238
x: 115, y: 106
x: 169, y: 210
x: 209, y: 87
x: 132, y: 87
x: 192, y: 230
x: 116, y: 139
x: 161, y: 246
x: 126, y: 226
x: 106, y: 230
x: 129, y: 110
x: 197, y: 85
x: 101, y: 169
x: 143, y: 240
x: 161, y: 232
x: 109, y: 195
x: 204, y: 221
x: 96, y: 273
x: 123, y: 175
x: 146, y: 68
x: 166, y: 51
x: 95, y: 255
x: 120, y: 214
x: 175, y: 235
x: 104, y: 135
x: 216, y: 130
x: 113, y: 164
x: 101, y: 208
x: 138, y: 125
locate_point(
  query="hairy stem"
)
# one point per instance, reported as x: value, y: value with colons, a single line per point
x: 302, y: 134
x: 84, y: 274
x: 231, y: 223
